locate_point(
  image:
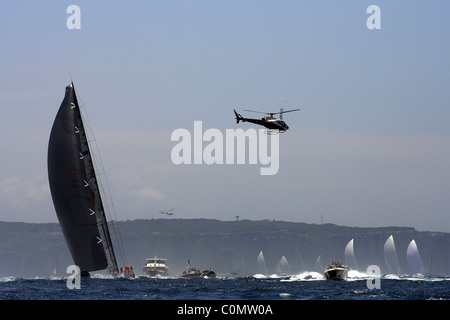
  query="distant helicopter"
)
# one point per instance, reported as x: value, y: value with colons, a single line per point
x: 269, y: 122
x: 168, y: 212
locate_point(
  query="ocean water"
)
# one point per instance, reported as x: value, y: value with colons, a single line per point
x: 224, y: 298
x: 304, y: 286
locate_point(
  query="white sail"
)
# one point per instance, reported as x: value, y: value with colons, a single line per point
x: 414, y: 259
x: 350, y: 258
x: 390, y: 255
x: 319, y: 265
x: 283, y: 266
x: 261, y: 263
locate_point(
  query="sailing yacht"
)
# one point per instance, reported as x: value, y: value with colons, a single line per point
x: 390, y: 255
x: 350, y: 258
x: 414, y: 259
x: 75, y: 191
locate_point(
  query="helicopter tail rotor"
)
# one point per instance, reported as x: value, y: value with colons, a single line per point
x: 238, y: 116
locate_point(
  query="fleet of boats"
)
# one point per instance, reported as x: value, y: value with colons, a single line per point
x: 334, y: 271
x: 157, y: 267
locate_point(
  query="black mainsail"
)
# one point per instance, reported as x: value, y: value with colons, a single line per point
x: 75, y: 190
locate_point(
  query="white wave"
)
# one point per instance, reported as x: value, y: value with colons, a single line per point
x: 269, y: 276
x: 305, y: 276
x: 357, y: 275
x: 102, y: 276
x: 158, y: 276
x: 412, y: 277
x: 7, y: 279
x: 285, y: 295
x: 421, y: 277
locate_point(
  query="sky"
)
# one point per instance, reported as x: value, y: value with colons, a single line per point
x: 370, y: 146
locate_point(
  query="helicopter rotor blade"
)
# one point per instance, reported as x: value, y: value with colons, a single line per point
x: 288, y: 111
x: 257, y: 111
x: 272, y: 113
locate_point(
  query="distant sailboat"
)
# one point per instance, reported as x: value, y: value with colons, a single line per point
x: 261, y: 264
x: 414, y: 259
x: 319, y: 265
x: 390, y: 255
x: 75, y: 191
x: 350, y: 258
x: 283, y: 266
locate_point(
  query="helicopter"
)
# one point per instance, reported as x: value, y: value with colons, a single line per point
x: 270, y: 122
x: 168, y: 212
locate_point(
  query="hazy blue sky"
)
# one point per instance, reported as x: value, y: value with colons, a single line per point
x: 370, y: 146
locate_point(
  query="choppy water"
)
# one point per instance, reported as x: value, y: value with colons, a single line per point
x: 224, y: 298
x: 304, y: 286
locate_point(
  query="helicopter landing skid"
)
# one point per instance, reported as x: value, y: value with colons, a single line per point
x: 272, y: 131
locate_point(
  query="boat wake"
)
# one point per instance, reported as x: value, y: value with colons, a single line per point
x: 306, y: 276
